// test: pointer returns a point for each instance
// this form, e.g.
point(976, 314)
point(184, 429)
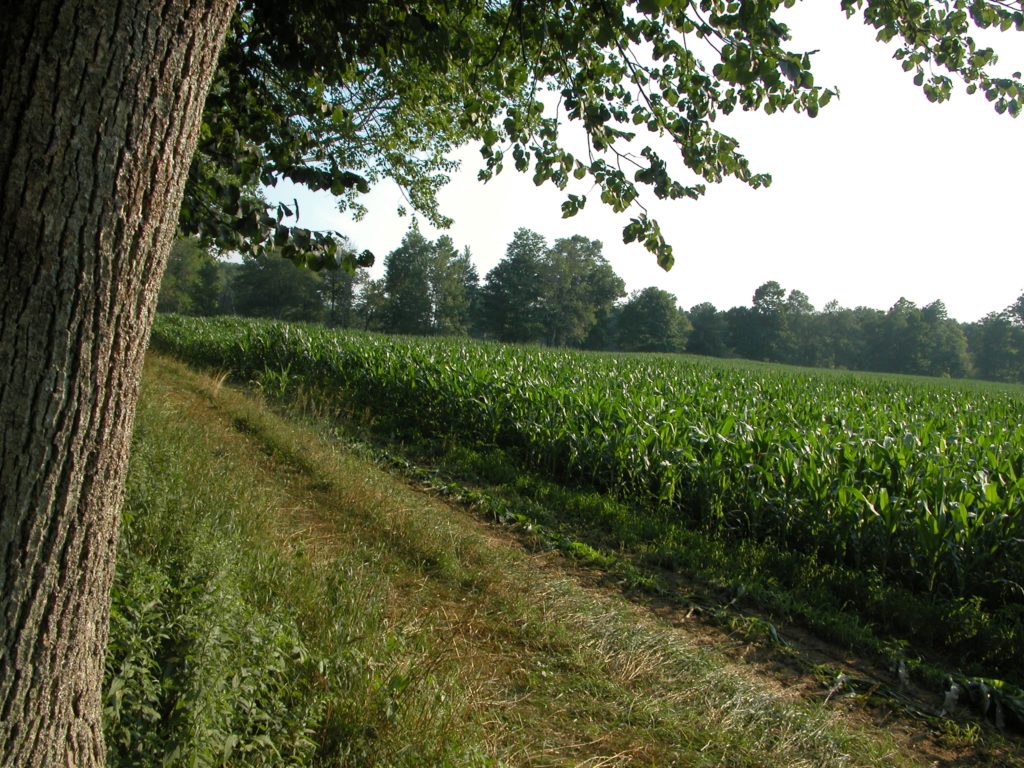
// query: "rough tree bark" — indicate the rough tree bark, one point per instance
point(100, 103)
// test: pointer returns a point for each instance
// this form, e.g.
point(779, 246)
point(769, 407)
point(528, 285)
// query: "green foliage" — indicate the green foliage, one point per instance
point(407, 285)
point(997, 348)
point(651, 321)
point(581, 288)
point(336, 95)
point(206, 665)
point(454, 287)
point(338, 291)
point(558, 295)
point(512, 298)
point(372, 305)
point(272, 286)
point(772, 337)
point(428, 289)
point(314, 95)
point(710, 334)
point(907, 339)
point(193, 281)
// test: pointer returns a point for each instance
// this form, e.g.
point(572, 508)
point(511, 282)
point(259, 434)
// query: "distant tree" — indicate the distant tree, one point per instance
point(226, 300)
point(710, 334)
point(272, 286)
point(865, 354)
point(935, 312)
point(801, 337)
point(206, 298)
point(744, 332)
point(798, 304)
point(371, 306)
point(605, 333)
point(427, 288)
point(580, 286)
point(902, 340)
point(338, 289)
point(996, 345)
point(453, 284)
point(512, 298)
point(842, 335)
point(407, 271)
point(925, 342)
point(771, 340)
point(1015, 312)
point(769, 298)
point(944, 342)
point(651, 321)
point(193, 282)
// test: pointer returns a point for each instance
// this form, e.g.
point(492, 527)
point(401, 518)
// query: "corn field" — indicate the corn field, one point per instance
point(921, 481)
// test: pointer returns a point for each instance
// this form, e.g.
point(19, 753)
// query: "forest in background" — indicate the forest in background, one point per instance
point(566, 294)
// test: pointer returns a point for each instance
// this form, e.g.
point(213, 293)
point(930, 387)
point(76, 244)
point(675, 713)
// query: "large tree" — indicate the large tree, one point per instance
point(454, 284)
point(579, 289)
point(651, 321)
point(102, 107)
point(512, 298)
point(407, 269)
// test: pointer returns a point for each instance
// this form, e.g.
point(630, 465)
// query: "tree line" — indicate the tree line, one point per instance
point(566, 294)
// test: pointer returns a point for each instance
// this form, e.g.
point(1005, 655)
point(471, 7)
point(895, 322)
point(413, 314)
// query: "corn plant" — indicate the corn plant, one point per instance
point(922, 481)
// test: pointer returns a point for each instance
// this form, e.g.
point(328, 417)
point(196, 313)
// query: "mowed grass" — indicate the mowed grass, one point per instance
point(281, 602)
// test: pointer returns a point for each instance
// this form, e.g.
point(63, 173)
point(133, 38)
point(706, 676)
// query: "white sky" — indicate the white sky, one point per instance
point(883, 195)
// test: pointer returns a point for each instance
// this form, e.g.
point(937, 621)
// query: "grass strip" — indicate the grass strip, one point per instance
point(280, 601)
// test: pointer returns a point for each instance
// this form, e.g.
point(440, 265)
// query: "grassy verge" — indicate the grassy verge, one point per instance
point(279, 601)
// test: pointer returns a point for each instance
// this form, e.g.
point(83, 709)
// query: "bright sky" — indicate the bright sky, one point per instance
point(883, 195)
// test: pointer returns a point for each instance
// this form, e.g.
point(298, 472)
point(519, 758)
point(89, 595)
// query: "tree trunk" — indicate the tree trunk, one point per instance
point(100, 104)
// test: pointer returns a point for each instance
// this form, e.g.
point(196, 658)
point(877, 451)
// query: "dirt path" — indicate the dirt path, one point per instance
point(553, 666)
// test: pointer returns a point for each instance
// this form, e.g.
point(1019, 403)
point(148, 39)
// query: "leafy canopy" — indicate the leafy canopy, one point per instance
point(339, 94)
